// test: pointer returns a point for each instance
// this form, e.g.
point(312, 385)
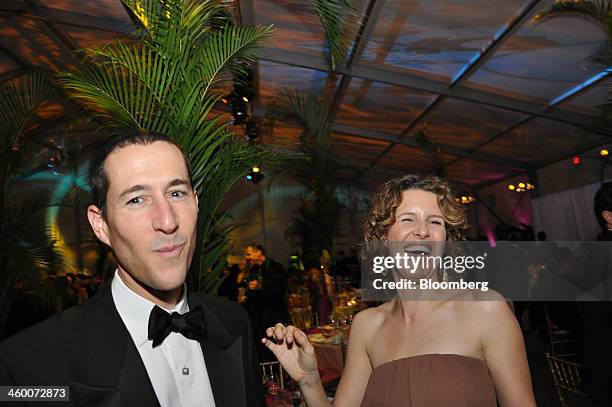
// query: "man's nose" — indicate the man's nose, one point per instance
point(165, 219)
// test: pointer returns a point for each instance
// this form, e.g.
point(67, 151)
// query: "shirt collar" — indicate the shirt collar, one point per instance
point(135, 309)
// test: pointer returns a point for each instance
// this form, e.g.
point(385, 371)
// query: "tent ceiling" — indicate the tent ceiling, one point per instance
point(496, 94)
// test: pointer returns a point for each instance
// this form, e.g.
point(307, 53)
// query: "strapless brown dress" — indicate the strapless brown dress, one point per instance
point(437, 380)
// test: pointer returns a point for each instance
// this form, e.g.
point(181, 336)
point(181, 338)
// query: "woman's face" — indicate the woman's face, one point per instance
point(418, 225)
point(418, 218)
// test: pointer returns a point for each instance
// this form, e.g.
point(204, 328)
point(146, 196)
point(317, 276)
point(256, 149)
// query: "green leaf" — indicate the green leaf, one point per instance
point(341, 22)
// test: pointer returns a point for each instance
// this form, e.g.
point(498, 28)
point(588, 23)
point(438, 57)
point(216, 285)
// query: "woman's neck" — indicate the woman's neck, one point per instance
point(413, 311)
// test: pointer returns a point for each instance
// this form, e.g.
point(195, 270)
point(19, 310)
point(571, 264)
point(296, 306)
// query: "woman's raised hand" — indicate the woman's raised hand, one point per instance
point(295, 353)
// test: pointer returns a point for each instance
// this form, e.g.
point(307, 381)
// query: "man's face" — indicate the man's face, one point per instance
point(151, 214)
point(254, 256)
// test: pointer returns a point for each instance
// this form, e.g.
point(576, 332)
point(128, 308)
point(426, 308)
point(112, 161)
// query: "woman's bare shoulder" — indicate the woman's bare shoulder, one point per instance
point(479, 296)
point(369, 320)
point(487, 308)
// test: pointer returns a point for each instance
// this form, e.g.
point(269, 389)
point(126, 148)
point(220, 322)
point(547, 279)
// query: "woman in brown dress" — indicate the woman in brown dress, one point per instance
point(418, 353)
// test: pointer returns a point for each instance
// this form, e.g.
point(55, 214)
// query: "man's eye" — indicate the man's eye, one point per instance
point(436, 222)
point(407, 220)
point(178, 193)
point(134, 201)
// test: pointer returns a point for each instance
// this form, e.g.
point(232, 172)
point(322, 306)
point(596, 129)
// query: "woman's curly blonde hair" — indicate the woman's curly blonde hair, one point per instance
point(386, 202)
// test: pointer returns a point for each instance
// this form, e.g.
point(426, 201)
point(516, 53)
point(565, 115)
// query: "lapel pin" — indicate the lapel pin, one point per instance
point(185, 371)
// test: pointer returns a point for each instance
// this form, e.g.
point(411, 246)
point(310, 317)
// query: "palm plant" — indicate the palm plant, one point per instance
point(598, 12)
point(28, 249)
point(315, 166)
point(168, 79)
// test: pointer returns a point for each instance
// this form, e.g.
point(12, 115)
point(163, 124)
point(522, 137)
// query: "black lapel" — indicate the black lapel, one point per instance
point(113, 360)
point(224, 359)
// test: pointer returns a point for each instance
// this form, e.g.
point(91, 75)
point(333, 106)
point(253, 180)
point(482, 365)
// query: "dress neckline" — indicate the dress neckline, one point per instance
point(425, 355)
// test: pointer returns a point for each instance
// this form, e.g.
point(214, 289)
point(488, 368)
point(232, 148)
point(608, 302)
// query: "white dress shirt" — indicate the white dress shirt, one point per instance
point(176, 368)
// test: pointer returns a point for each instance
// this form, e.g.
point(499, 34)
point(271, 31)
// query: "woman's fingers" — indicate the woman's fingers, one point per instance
point(302, 340)
point(289, 334)
point(268, 344)
point(279, 331)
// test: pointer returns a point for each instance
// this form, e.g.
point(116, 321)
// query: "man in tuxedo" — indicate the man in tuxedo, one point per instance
point(142, 340)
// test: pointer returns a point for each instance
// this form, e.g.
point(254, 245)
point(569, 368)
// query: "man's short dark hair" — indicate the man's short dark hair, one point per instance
point(257, 246)
point(603, 202)
point(98, 178)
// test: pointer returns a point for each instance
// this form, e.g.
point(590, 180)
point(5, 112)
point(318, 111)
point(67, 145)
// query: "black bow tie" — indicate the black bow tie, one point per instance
point(190, 324)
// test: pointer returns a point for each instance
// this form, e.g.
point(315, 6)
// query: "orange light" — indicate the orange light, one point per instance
point(511, 187)
point(604, 152)
point(256, 169)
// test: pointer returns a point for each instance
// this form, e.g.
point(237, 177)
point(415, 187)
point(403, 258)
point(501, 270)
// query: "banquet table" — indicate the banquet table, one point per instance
point(330, 359)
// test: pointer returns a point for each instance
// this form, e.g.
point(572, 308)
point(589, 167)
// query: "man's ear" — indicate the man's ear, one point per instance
point(607, 215)
point(98, 224)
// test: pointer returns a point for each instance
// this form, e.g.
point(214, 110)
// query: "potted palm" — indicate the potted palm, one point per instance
point(29, 252)
point(315, 165)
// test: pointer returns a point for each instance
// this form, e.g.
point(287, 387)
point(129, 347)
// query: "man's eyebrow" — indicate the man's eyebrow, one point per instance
point(134, 188)
point(179, 181)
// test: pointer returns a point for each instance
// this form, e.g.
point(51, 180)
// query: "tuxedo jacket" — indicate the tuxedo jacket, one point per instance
point(89, 349)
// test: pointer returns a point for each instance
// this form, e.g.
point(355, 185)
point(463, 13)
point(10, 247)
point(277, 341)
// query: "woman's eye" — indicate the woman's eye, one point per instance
point(436, 222)
point(407, 220)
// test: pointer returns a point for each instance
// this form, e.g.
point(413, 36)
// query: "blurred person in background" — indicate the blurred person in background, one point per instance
point(266, 292)
point(597, 315)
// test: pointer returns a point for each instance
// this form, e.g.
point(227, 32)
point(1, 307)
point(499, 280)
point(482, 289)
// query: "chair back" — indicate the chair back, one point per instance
point(560, 343)
point(567, 378)
point(272, 371)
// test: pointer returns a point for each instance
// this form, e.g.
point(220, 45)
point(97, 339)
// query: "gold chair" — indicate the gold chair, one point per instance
point(566, 376)
point(272, 371)
point(560, 343)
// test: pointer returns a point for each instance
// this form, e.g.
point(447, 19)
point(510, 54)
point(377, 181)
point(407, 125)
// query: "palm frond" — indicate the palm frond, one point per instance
point(19, 99)
point(341, 22)
point(218, 246)
point(601, 56)
point(598, 12)
point(302, 107)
